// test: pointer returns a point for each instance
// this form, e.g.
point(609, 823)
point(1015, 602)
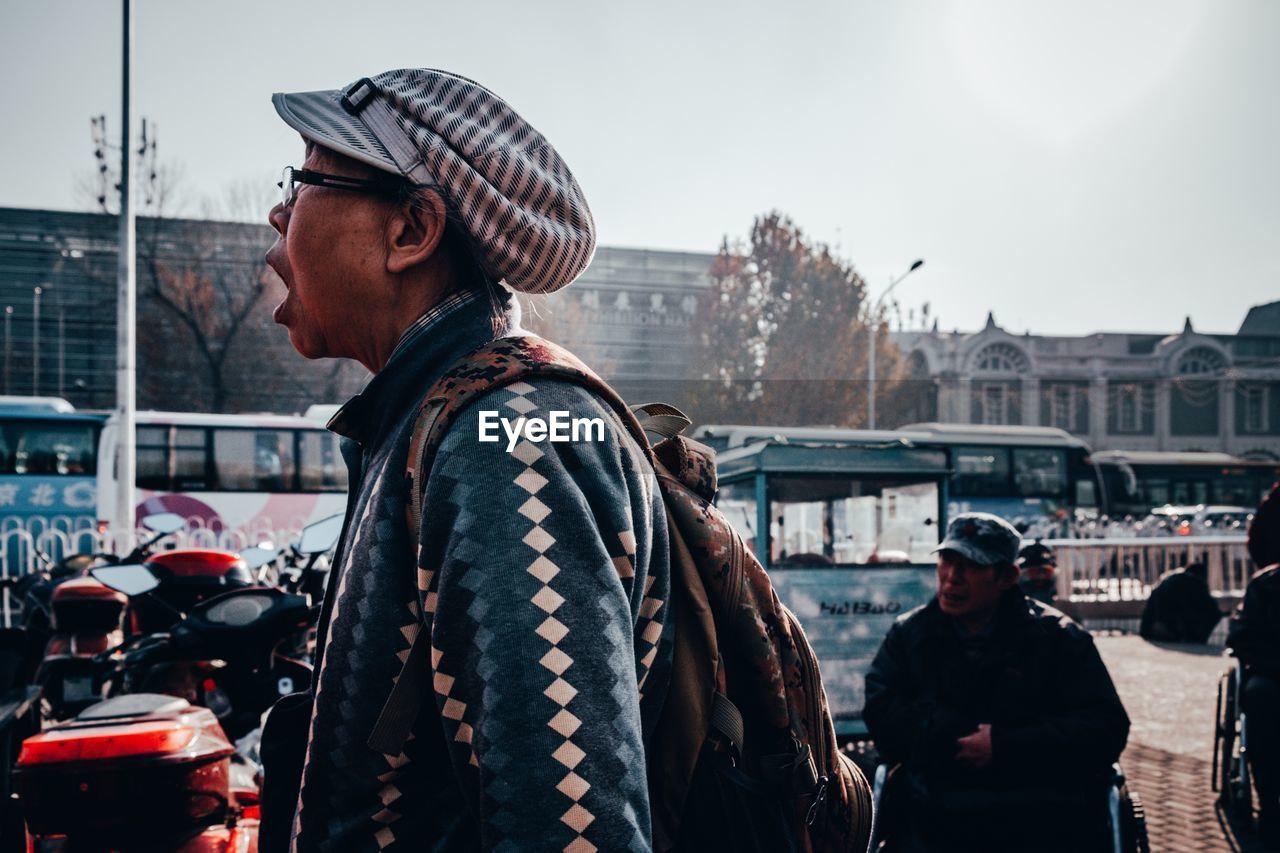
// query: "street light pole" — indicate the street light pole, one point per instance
point(126, 306)
point(35, 342)
point(872, 327)
point(62, 350)
point(8, 343)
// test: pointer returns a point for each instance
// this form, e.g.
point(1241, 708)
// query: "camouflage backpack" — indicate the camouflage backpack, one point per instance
point(744, 756)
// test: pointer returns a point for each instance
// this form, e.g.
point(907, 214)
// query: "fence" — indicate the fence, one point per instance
point(1104, 583)
point(23, 539)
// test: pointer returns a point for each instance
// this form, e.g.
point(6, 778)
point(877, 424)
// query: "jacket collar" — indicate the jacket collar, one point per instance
point(1013, 610)
point(429, 347)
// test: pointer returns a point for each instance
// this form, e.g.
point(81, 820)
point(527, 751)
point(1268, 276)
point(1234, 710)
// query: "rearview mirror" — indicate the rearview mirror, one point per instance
point(320, 536)
point(164, 522)
point(131, 579)
point(259, 555)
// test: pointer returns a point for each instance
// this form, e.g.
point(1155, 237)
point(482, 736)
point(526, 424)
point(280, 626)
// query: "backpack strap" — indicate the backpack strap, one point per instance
point(498, 363)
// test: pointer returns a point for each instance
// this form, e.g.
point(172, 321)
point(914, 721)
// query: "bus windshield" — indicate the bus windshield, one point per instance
point(819, 521)
point(48, 448)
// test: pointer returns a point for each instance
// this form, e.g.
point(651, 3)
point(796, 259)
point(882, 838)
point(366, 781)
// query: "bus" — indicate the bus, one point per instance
point(1038, 475)
point(48, 459)
point(846, 529)
point(1137, 481)
point(260, 475)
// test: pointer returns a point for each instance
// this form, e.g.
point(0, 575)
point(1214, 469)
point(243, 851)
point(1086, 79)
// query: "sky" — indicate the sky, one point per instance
point(1071, 165)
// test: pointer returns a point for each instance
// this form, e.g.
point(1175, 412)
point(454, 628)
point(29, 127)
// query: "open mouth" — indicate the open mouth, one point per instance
point(279, 314)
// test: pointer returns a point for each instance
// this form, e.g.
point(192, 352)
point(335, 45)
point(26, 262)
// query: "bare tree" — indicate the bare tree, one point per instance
point(783, 332)
point(204, 281)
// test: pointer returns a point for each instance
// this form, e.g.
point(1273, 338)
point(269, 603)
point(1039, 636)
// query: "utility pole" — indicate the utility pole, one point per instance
point(126, 341)
point(8, 344)
point(62, 350)
point(35, 341)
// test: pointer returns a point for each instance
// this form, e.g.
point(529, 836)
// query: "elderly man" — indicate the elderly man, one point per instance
point(997, 707)
point(421, 194)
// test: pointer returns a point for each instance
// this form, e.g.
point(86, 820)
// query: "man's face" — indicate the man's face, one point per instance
point(968, 591)
point(329, 255)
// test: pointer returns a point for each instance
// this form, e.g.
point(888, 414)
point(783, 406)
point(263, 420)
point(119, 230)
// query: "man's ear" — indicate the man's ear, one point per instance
point(414, 231)
point(1006, 576)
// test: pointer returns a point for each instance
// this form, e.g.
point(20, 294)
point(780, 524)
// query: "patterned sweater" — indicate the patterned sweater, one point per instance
point(543, 579)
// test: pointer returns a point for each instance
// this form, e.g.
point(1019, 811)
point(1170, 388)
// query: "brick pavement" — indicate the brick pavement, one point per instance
point(1169, 692)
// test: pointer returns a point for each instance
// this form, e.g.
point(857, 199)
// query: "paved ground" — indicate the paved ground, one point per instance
point(1169, 692)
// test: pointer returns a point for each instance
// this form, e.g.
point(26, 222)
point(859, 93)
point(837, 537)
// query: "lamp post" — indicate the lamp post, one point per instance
point(872, 328)
point(126, 308)
point(35, 341)
point(8, 343)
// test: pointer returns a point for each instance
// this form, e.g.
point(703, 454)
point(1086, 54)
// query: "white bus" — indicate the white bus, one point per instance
point(261, 476)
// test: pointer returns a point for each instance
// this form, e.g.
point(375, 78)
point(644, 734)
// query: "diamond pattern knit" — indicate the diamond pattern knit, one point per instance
point(542, 578)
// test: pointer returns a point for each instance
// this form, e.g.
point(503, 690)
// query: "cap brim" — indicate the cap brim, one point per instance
point(967, 550)
point(319, 117)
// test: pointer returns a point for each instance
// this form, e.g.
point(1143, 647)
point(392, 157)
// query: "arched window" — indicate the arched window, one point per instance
point(918, 365)
point(1200, 360)
point(1193, 401)
point(1001, 358)
point(919, 394)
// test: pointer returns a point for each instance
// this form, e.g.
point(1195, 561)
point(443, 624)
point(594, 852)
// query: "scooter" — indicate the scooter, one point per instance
point(69, 619)
point(305, 569)
point(151, 772)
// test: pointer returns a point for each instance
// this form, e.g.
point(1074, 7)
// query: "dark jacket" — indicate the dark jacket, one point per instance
point(542, 576)
point(1057, 723)
point(1253, 634)
point(1180, 609)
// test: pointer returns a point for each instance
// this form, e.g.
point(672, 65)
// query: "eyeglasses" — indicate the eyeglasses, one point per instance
point(289, 181)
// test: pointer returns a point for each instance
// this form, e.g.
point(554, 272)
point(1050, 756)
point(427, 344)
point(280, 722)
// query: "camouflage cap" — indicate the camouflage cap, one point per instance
point(986, 539)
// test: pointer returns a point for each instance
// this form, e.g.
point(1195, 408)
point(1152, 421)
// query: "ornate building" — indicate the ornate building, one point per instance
point(1120, 391)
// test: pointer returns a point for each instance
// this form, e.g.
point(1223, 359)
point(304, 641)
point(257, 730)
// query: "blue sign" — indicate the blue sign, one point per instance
point(49, 496)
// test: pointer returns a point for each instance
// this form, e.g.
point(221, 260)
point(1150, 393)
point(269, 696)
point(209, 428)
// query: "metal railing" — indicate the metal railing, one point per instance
point(57, 537)
point(1126, 569)
point(22, 539)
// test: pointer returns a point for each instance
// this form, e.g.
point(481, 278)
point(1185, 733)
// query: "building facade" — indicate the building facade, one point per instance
point(630, 315)
point(1119, 391)
point(204, 322)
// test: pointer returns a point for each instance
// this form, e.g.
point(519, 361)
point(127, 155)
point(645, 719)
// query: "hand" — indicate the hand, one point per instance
point(975, 749)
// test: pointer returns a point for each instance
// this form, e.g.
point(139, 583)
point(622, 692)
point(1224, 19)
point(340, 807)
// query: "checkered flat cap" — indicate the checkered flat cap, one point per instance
point(526, 214)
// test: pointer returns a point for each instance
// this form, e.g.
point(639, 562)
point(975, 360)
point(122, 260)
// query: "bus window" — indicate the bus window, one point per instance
point(322, 467)
point(54, 449)
point(817, 521)
point(1039, 472)
point(981, 472)
point(152, 458)
point(190, 458)
point(1084, 480)
point(248, 460)
point(1233, 488)
point(1190, 492)
point(1154, 491)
